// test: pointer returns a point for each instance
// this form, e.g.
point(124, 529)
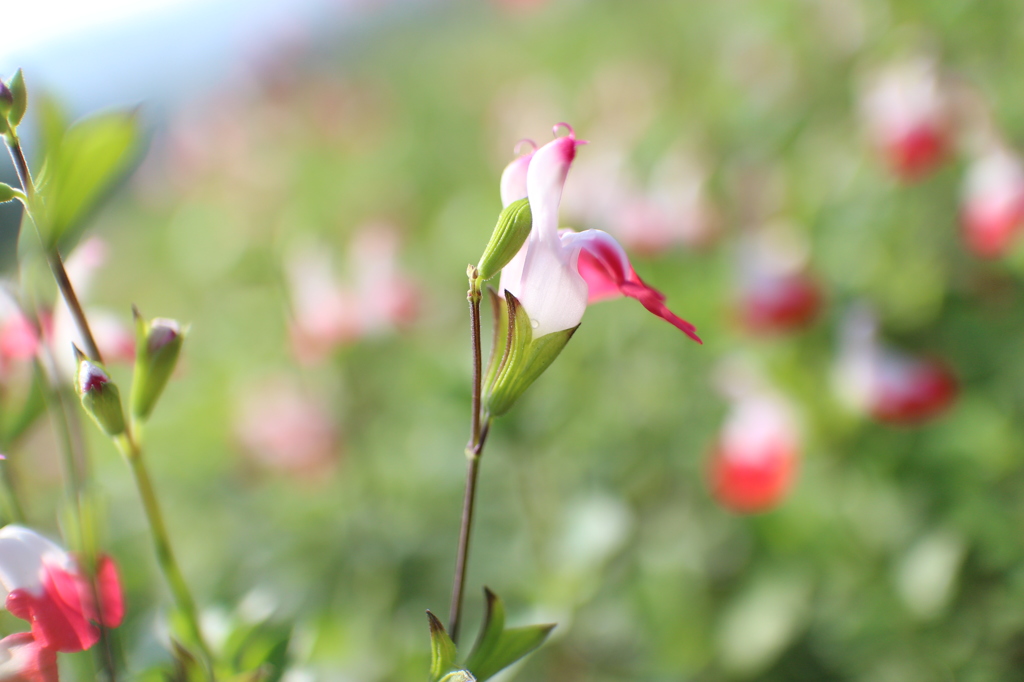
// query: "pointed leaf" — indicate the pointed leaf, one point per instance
point(490, 631)
point(442, 649)
point(82, 166)
point(513, 645)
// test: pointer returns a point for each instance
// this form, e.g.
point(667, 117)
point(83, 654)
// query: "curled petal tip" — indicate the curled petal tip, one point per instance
point(518, 149)
point(559, 126)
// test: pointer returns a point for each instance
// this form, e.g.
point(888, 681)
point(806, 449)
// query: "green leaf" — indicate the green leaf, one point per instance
point(490, 631)
point(442, 650)
point(525, 358)
point(497, 648)
point(82, 164)
point(17, 87)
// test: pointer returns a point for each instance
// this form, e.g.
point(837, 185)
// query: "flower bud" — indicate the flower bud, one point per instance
point(100, 397)
point(509, 234)
point(19, 98)
point(158, 344)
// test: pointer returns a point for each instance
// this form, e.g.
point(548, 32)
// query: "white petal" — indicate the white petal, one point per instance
point(550, 289)
point(22, 553)
point(513, 180)
point(545, 178)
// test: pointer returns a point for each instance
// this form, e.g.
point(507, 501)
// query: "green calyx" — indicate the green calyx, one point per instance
point(157, 346)
point(523, 359)
point(509, 234)
point(19, 99)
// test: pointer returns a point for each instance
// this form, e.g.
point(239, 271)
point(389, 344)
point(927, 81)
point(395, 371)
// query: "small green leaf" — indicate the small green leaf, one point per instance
point(17, 87)
point(442, 650)
point(82, 165)
point(497, 648)
point(514, 224)
point(525, 358)
point(490, 631)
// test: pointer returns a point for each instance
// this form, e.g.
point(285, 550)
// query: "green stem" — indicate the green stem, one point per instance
point(13, 510)
point(162, 545)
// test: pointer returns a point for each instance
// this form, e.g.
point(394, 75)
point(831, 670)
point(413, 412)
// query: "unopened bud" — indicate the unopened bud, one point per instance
point(458, 676)
point(6, 99)
point(100, 397)
point(157, 346)
point(509, 234)
point(19, 98)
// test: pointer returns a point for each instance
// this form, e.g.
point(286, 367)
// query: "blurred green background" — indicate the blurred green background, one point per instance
point(325, 494)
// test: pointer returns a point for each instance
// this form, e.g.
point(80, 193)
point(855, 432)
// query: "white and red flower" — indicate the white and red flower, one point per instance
point(993, 203)
point(776, 293)
point(755, 459)
point(889, 385)
point(906, 110)
point(558, 272)
point(44, 585)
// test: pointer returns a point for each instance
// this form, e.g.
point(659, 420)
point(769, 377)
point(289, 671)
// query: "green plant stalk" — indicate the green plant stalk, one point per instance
point(129, 447)
point(478, 434)
point(13, 510)
point(53, 258)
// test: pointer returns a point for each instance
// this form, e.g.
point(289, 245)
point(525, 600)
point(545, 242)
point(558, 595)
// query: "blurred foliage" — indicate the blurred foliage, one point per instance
point(898, 555)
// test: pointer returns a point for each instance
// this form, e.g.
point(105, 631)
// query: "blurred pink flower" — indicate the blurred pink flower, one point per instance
point(23, 659)
point(775, 292)
point(670, 210)
point(755, 459)
point(889, 385)
point(906, 110)
point(44, 585)
point(327, 313)
point(992, 211)
point(284, 429)
point(558, 272)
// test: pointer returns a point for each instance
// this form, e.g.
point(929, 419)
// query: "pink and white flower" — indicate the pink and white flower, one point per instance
point(906, 110)
point(557, 273)
point(993, 202)
point(43, 584)
point(23, 659)
point(889, 385)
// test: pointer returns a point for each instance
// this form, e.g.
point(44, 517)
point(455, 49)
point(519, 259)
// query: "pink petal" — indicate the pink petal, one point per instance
point(606, 269)
point(23, 659)
point(108, 585)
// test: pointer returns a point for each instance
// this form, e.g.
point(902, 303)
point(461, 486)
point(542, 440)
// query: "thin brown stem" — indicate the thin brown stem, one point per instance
point(462, 557)
point(473, 449)
point(53, 258)
point(67, 292)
